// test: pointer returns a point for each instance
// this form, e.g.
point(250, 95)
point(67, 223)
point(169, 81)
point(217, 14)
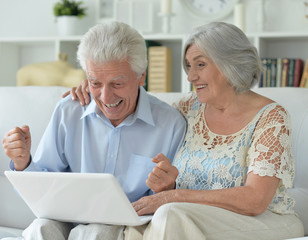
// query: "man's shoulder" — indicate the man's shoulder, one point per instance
point(67, 101)
point(160, 107)
point(68, 105)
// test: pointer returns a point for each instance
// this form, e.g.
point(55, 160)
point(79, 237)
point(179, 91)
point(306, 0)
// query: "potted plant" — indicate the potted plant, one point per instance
point(68, 14)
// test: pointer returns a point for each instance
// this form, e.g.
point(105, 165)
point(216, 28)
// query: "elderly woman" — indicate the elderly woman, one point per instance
point(235, 163)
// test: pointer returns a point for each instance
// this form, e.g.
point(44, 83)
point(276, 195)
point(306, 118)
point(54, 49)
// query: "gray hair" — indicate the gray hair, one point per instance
point(113, 41)
point(231, 51)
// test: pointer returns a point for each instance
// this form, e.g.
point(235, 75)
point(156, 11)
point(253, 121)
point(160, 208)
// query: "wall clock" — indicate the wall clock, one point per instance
point(209, 9)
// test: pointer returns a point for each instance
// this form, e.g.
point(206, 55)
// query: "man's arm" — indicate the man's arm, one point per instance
point(164, 174)
point(49, 155)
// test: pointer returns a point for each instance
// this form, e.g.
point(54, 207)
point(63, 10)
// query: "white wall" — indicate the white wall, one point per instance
point(20, 18)
point(24, 18)
point(279, 15)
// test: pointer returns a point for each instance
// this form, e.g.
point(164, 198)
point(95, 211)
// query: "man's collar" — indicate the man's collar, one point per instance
point(143, 109)
point(142, 112)
point(91, 108)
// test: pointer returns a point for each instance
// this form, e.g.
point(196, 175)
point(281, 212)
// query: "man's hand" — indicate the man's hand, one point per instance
point(17, 145)
point(163, 175)
point(81, 93)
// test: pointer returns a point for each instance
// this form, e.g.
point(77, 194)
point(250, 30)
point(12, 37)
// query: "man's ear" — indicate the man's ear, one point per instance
point(141, 79)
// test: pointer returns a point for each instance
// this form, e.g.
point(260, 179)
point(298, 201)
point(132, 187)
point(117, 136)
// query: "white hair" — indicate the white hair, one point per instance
point(113, 41)
point(231, 51)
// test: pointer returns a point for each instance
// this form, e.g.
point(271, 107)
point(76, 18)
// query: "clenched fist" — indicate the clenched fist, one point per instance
point(163, 175)
point(17, 145)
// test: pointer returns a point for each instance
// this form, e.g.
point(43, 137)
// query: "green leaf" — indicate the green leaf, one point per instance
point(70, 8)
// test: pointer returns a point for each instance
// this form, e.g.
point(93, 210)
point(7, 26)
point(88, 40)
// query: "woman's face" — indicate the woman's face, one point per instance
point(208, 81)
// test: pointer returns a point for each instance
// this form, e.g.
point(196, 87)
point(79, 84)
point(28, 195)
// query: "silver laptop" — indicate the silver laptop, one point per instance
point(76, 197)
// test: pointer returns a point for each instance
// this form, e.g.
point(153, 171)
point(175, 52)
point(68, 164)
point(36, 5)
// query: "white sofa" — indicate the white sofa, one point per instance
point(34, 105)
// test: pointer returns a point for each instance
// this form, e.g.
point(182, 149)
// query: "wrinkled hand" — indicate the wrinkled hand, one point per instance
point(163, 175)
point(17, 145)
point(149, 204)
point(81, 93)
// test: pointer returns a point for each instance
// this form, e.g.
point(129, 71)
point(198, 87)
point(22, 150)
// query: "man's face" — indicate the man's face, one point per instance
point(114, 87)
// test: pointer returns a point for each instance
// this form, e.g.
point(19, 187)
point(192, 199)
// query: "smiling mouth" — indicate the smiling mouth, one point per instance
point(114, 104)
point(201, 86)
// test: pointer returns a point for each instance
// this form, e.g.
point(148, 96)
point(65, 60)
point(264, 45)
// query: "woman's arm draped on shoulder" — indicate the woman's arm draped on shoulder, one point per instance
point(80, 92)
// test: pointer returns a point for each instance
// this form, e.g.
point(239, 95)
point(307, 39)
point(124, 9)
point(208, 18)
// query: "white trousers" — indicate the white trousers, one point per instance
point(178, 221)
point(45, 229)
point(182, 221)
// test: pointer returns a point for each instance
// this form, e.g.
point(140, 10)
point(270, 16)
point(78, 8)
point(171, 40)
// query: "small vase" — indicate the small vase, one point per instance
point(68, 25)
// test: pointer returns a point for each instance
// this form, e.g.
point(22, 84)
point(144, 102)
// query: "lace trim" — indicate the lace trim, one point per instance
point(211, 161)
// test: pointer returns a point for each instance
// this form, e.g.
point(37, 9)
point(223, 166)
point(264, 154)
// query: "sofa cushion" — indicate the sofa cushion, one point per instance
point(18, 106)
point(9, 232)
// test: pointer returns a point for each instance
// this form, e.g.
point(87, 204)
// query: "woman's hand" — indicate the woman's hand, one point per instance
point(149, 204)
point(81, 92)
point(163, 176)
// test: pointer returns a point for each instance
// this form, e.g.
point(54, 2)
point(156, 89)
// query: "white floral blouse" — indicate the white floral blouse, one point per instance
point(209, 161)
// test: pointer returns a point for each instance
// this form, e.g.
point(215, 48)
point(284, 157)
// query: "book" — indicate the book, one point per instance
point(281, 72)
point(284, 73)
point(268, 72)
point(160, 68)
point(278, 72)
point(291, 72)
point(304, 78)
point(148, 44)
point(262, 82)
point(298, 70)
point(273, 71)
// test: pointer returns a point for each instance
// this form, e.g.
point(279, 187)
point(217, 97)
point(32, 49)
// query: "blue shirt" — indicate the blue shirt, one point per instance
point(81, 139)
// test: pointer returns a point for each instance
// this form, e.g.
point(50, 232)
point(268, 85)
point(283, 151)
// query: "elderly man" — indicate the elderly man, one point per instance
point(98, 137)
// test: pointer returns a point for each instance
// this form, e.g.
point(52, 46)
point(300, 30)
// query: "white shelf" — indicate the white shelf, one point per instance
point(278, 35)
point(39, 39)
point(17, 52)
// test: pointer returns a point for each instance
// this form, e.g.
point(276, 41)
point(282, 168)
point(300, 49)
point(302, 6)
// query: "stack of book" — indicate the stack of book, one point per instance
point(283, 72)
point(159, 69)
point(149, 44)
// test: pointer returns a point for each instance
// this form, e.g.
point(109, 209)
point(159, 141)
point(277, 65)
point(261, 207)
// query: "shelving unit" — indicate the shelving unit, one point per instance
point(274, 45)
point(18, 52)
point(175, 43)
